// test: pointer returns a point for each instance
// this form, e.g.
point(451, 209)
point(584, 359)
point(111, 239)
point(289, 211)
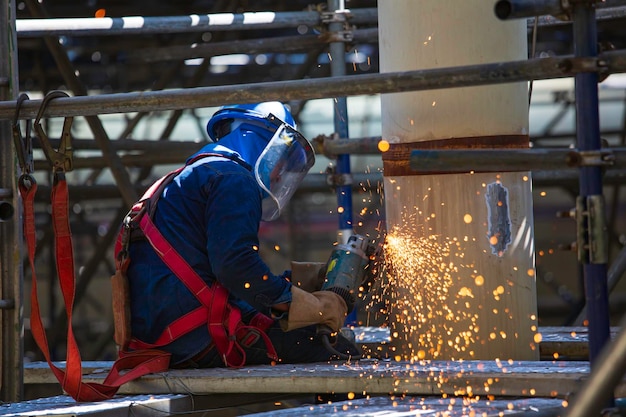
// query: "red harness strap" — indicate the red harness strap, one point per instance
point(223, 320)
point(136, 365)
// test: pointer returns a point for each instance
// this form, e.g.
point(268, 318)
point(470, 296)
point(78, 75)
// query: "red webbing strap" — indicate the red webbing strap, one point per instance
point(176, 329)
point(222, 325)
point(174, 261)
point(141, 363)
point(214, 298)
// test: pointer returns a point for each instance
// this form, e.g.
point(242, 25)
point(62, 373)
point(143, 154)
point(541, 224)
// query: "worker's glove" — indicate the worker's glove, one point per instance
point(320, 307)
point(308, 276)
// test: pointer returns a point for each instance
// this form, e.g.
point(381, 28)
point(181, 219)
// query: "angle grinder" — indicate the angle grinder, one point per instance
point(349, 267)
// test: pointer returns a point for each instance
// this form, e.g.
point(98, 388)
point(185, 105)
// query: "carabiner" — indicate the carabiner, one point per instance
point(61, 160)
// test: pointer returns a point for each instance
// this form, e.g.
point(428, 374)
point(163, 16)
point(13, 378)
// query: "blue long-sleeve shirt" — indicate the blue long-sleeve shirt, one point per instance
point(210, 213)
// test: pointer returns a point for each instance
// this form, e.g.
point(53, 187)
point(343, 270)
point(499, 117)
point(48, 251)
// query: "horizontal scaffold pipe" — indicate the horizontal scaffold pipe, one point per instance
point(279, 44)
point(431, 161)
point(110, 26)
point(331, 147)
point(516, 9)
point(107, 26)
point(142, 145)
point(602, 15)
point(309, 89)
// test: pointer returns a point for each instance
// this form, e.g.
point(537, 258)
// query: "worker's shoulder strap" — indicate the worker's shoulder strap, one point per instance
point(148, 202)
point(152, 194)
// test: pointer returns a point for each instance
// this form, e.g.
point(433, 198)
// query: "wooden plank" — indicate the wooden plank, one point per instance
point(433, 406)
point(137, 406)
point(373, 377)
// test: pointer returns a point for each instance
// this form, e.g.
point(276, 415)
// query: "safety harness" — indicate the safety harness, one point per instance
point(136, 358)
point(223, 320)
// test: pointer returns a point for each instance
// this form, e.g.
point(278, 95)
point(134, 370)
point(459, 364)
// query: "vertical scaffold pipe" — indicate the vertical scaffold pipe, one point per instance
point(588, 139)
point(11, 277)
point(460, 247)
point(340, 118)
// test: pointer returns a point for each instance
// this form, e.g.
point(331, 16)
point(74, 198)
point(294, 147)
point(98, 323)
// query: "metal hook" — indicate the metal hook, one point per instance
point(61, 160)
point(23, 144)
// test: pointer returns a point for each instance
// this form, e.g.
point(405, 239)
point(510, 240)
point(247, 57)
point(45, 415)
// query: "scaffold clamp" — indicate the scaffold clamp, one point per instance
point(61, 159)
point(336, 16)
point(335, 179)
point(591, 230)
point(601, 157)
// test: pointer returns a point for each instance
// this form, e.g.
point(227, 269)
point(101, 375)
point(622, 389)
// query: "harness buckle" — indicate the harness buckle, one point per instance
point(250, 337)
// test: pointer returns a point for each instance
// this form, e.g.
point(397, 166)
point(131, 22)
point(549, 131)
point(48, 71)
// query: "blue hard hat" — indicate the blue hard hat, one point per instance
point(256, 113)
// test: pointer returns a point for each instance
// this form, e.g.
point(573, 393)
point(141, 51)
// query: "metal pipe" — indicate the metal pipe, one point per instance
point(616, 270)
point(588, 139)
point(331, 147)
point(131, 160)
point(143, 145)
point(308, 89)
point(428, 161)
point(516, 9)
point(111, 26)
point(11, 252)
point(251, 46)
point(279, 44)
point(602, 15)
point(340, 118)
point(108, 26)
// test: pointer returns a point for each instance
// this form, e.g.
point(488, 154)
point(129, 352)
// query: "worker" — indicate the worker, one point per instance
point(210, 213)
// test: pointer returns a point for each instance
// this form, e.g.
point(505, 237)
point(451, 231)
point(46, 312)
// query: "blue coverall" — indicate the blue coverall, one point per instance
point(210, 213)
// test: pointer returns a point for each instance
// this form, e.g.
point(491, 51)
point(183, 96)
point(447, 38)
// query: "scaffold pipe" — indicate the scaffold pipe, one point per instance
point(309, 89)
point(331, 147)
point(11, 250)
point(428, 161)
point(280, 44)
point(108, 26)
point(340, 120)
point(590, 186)
point(514, 9)
point(517, 9)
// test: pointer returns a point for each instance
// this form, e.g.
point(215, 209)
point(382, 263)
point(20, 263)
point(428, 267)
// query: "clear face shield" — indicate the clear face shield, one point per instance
point(281, 167)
